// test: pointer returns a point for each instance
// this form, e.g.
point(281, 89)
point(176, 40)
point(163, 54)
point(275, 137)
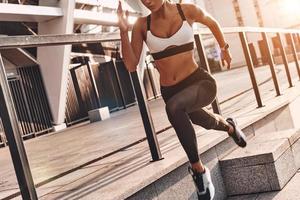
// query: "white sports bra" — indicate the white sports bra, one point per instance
point(182, 40)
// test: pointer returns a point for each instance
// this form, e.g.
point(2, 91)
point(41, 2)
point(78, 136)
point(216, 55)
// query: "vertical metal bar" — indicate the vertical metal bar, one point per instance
point(92, 78)
point(250, 68)
point(271, 63)
point(16, 146)
point(151, 80)
point(20, 114)
point(146, 117)
point(2, 138)
point(284, 58)
point(32, 102)
point(290, 35)
point(116, 71)
point(37, 100)
point(204, 64)
point(27, 96)
point(44, 99)
point(27, 109)
point(82, 108)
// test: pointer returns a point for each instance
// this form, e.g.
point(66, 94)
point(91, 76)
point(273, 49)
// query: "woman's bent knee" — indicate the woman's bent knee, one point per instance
point(172, 108)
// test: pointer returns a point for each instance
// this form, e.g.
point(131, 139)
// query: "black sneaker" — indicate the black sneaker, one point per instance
point(238, 135)
point(204, 186)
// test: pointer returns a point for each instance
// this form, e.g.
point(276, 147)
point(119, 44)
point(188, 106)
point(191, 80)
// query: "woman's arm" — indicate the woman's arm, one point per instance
point(196, 14)
point(130, 50)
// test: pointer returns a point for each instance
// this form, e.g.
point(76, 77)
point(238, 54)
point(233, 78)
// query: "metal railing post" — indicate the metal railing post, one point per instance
point(15, 142)
point(271, 63)
point(298, 36)
point(149, 73)
point(204, 64)
point(146, 117)
point(116, 71)
point(250, 68)
point(290, 35)
point(284, 59)
point(93, 81)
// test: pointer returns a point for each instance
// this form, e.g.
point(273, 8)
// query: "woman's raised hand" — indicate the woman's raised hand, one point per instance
point(226, 57)
point(123, 20)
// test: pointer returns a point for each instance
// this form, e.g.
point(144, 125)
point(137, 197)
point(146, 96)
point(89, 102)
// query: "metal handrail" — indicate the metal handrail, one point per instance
point(7, 42)
point(227, 30)
point(10, 42)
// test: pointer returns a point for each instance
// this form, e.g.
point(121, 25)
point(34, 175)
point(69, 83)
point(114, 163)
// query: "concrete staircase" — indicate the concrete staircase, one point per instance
point(270, 160)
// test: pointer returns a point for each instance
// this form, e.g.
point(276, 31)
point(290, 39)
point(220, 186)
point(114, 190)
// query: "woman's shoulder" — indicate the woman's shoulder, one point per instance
point(140, 25)
point(189, 9)
point(141, 22)
point(142, 19)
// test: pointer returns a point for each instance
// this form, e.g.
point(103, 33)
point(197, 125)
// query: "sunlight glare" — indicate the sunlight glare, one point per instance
point(290, 6)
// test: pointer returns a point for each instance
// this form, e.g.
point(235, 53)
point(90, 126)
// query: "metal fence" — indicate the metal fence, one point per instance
point(95, 85)
point(268, 57)
point(35, 99)
point(30, 101)
point(74, 110)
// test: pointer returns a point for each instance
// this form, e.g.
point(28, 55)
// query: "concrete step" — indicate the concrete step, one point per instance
point(290, 192)
point(268, 162)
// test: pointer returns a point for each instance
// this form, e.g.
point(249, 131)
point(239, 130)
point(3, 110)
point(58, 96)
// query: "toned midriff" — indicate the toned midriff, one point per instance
point(175, 68)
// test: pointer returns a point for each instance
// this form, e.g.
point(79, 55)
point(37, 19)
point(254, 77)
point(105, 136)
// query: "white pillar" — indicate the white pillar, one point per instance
point(54, 60)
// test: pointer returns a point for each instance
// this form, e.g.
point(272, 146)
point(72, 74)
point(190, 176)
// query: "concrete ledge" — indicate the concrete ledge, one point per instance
point(99, 114)
point(266, 164)
point(59, 127)
point(256, 153)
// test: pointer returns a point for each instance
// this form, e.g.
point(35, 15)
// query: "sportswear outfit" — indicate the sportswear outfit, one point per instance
point(186, 100)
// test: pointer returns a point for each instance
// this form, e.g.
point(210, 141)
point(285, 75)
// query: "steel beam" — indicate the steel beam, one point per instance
point(9, 42)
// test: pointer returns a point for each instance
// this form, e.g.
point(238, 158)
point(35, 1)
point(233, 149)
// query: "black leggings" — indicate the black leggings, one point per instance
point(185, 101)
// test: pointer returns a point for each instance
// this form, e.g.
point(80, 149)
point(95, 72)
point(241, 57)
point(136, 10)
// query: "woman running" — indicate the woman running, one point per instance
point(185, 87)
